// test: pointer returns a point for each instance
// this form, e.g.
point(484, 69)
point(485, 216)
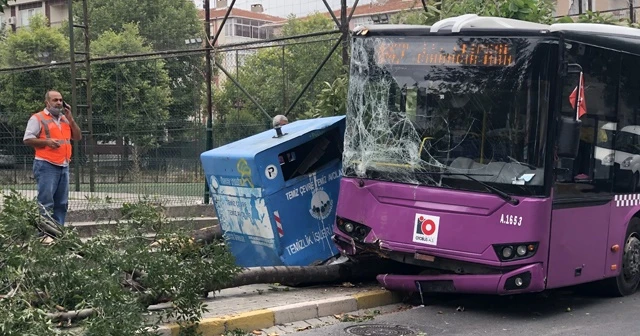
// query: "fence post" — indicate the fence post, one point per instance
point(345, 32)
point(74, 101)
point(284, 81)
point(207, 25)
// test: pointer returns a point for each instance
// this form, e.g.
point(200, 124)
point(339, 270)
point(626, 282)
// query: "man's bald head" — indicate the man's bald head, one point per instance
point(280, 120)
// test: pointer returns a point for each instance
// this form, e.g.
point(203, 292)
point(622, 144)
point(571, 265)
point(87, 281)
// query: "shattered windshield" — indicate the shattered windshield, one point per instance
point(428, 110)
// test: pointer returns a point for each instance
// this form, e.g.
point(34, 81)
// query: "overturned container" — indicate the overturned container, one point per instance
point(275, 192)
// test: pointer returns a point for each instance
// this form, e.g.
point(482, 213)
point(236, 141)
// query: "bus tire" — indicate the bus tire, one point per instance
point(626, 283)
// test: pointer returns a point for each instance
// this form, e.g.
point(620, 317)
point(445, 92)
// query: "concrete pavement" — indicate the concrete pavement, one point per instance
point(558, 313)
point(266, 308)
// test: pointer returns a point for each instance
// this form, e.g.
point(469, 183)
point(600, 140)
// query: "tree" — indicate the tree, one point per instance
point(165, 24)
point(275, 86)
point(2, 4)
point(332, 100)
point(22, 93)
point(110, 279)
point(307, 57)
point(527, 10)
point(130, 99)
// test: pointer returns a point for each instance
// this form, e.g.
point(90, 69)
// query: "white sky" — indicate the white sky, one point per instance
point(283, 8)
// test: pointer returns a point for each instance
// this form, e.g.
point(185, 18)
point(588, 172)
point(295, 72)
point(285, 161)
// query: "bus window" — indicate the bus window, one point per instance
point(590, 171)
point(626, 160)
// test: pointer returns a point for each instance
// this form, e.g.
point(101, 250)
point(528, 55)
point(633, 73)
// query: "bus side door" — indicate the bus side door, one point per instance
point(581, 212)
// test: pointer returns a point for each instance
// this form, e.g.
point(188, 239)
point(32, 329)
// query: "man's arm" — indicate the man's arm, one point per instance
point(76, 133)
point(31, 134)
point(39, 143)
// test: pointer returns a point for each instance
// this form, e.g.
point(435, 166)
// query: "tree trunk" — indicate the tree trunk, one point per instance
point(207, 235)
point(310, 275)
point(71, 315)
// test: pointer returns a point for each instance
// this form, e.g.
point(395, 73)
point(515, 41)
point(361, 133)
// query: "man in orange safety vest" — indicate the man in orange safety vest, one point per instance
point(50, 132)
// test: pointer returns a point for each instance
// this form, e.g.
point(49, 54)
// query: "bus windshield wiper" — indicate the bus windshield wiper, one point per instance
point(494, 190)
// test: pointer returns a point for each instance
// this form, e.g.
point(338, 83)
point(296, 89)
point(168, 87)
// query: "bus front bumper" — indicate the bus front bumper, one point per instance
point(526, 279)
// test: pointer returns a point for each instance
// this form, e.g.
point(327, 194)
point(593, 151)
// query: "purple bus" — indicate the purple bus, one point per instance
point(479, 153)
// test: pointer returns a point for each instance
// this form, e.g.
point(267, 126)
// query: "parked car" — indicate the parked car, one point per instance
point(7, 160)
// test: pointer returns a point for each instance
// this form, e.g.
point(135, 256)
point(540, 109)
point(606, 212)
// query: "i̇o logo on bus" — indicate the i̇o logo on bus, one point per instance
point(425, 230)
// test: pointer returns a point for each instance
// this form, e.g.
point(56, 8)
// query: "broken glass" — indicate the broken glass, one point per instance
point(422, 106)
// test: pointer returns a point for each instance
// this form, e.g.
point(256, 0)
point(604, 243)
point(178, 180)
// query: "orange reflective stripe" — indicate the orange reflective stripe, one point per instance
point(45, 124)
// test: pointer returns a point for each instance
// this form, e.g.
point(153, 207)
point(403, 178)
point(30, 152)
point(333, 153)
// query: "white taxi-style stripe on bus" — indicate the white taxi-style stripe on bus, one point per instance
point(627, 200)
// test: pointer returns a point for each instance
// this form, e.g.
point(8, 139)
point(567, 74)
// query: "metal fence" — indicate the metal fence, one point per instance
point(149, 115)
point(260, 80)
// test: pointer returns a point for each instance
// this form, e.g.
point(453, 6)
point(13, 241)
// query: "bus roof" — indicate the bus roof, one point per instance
point(616, 37)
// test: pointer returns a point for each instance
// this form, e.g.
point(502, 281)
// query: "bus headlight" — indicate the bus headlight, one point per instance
point(348, 227)
point(518, 282)
point(627, 162)
point(352, 229)
point(516, 251)
point(507, 252)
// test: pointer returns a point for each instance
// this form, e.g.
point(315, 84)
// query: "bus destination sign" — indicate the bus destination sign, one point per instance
point(477, 52)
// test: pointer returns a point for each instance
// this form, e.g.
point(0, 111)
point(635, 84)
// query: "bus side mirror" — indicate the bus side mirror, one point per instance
point(568, 137)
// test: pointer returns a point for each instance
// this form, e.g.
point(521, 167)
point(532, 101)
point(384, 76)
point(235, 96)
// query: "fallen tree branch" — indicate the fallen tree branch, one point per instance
point(72, 315)
point(207, 235)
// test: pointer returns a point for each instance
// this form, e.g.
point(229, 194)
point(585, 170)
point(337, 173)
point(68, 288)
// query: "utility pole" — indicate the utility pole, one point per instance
point(207, 28)
point(74, 90)
point(344, 26)
point(74, 98)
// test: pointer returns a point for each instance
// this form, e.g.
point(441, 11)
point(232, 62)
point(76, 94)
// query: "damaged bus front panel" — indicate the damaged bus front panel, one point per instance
point(446, 158)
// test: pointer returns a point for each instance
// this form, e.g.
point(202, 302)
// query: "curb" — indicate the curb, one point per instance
point(266, 318)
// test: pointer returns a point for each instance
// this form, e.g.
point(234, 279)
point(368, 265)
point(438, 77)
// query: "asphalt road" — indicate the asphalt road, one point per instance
point(551, 313)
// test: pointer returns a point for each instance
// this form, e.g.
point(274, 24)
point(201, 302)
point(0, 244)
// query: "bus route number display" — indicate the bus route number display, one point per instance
point(452, 52)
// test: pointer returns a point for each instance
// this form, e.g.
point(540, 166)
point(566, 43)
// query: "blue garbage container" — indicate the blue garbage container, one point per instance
point(275, 195)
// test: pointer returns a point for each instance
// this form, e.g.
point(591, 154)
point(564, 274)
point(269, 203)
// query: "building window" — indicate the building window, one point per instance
point(362, 20)
point(228, 27)
point(380, 18)
point(250, 28)
point(27, 11)
point(3, 22)
point(580, 6)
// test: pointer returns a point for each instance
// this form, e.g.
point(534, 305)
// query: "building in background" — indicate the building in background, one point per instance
point(241, 26)
point(617, 8)
point(377, 11)
point(18, 13)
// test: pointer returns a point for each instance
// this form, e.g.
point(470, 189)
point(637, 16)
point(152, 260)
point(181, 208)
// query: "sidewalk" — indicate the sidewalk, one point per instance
point(269, 309)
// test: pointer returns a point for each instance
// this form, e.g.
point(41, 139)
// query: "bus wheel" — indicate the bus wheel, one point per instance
point(627, 281)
